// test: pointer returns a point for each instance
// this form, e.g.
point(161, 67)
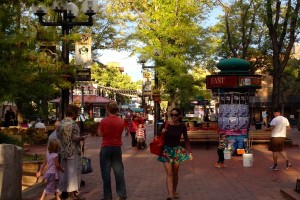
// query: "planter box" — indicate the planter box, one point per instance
point(30, 169)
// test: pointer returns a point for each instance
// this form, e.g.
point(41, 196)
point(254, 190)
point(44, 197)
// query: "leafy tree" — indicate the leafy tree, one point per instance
point(262, 32)
point(282, 20)
point(168, 33)
point(31, 76)
point(242, 34)
point(110, 76)
point(25, 73)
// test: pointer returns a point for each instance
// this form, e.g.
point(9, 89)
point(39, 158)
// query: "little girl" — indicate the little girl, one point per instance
point(51, 174)
point(220, 151)
point(140, 136)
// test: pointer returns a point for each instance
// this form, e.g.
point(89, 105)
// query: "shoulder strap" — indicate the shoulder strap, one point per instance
point(82, 148)
point(166, 124)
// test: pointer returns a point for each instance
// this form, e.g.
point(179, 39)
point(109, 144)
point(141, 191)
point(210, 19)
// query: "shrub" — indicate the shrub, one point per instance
point(6, 138)
point(91, 127)
point(20, 136)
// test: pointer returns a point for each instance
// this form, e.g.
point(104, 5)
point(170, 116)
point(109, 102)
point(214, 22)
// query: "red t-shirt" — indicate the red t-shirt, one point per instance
point(112, 128)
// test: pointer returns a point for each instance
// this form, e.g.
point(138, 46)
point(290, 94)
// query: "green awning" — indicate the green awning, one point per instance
point(137, 109)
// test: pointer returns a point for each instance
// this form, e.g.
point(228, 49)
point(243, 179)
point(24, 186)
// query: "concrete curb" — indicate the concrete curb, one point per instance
point(34, 191)
point(290, 194)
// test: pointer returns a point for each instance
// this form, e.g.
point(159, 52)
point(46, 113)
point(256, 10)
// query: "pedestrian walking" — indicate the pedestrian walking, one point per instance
point(7, 119)
point(279, 126)
point(68, 133)
point(173, 154)
point(53, 167)
point(110, 129)
point(133, 126)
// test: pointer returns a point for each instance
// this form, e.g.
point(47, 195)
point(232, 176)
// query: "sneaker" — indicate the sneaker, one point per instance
point(289, 166)
point(217, 165)
point(274, 168)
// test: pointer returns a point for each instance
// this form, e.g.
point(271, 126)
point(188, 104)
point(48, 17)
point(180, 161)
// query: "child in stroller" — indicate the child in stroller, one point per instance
point(141, 137)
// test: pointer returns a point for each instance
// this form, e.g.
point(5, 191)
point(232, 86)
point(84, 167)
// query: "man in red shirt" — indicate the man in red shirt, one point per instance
point(110, 129)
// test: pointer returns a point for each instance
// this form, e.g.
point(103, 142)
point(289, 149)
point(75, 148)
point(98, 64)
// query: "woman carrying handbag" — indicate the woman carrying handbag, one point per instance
point(173, 154)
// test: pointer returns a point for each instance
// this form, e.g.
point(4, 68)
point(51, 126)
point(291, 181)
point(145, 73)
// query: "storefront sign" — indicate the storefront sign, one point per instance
point(233, 81)
point(83, 75)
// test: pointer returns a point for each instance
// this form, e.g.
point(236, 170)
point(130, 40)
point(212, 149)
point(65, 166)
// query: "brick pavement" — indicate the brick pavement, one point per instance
point(198, 179)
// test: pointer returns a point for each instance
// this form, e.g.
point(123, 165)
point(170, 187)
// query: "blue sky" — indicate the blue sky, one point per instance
point(130, 64)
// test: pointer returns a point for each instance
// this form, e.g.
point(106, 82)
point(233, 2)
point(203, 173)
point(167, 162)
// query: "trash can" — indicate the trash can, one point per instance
point(258, 125)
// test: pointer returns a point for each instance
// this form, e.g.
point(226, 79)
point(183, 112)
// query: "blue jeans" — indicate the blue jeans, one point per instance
point(111, 157)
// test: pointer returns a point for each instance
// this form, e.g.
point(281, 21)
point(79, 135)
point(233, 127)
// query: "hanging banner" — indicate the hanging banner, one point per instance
point(83, 51)
point(147, 83)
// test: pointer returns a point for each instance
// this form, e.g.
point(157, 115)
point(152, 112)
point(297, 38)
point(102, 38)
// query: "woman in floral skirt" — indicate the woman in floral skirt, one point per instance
point(173, 154)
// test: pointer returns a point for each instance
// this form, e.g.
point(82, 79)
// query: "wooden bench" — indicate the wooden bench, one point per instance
point(207, 137)
point(50, 129)
point(262, 136)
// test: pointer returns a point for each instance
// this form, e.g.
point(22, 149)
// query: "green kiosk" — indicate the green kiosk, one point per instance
point(232, 86)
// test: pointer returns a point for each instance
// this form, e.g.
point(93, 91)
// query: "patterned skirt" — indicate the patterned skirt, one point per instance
point(173, 155)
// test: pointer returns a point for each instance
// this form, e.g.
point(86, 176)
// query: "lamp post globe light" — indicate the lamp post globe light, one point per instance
point(66, 12)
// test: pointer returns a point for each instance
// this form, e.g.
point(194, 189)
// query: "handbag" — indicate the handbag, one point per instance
point(156, 146)
point(86, 163)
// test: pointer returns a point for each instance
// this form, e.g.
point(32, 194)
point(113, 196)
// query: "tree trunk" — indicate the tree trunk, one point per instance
point(276, 84)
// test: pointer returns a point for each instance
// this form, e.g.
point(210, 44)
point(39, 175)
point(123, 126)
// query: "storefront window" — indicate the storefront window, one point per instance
point(98, 112)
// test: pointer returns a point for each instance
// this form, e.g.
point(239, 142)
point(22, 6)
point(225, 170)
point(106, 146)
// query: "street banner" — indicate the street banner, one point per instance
point(83, 51)
point(147, 83)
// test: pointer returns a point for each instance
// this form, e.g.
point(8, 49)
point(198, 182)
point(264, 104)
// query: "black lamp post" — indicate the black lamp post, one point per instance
point(66, 12)
point(156, 104)
point(82, 99)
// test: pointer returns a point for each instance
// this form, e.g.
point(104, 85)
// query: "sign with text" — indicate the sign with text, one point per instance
point(233, 81)
point(83, 75)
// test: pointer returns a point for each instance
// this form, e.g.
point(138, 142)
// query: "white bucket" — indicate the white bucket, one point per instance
point(227, 154)
point(247, 159)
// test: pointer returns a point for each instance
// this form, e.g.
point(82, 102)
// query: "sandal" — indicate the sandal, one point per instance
point(77, 196)
point(176, 195)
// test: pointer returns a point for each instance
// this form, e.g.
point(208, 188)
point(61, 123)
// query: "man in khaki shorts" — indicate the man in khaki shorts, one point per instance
point(279, 126)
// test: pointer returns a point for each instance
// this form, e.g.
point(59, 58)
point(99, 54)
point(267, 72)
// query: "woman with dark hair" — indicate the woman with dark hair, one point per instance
point(173, 154)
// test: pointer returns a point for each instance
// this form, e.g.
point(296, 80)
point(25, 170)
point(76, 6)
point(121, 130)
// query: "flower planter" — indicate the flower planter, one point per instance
point(156, 98)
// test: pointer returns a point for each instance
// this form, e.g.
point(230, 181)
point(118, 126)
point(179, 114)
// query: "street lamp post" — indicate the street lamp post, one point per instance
point(156, 106)
point(156, 103)
point(82, 99)
point(66, 12)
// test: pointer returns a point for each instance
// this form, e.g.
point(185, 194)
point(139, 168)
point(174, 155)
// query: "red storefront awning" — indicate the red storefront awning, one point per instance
point(88, 99)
